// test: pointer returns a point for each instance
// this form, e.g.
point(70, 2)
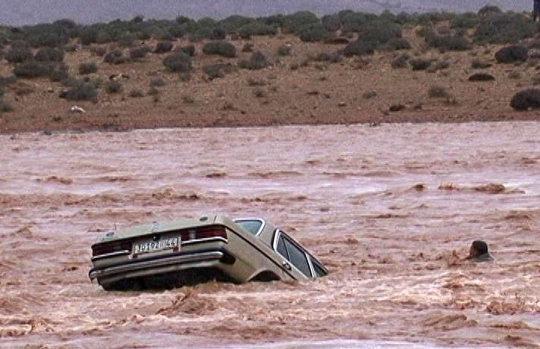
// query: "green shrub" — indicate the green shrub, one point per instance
point(215, 71)
point(189, 50)
point(401, 61)
point(512, 54)
point(420, 63)
point(380, 32)
point(19, 54)
point(136, 94)
point(314, 33)
point(5, 107)
point(88, 35)
point(218, 34)
point(257, 61)
point(88, 68)
point(256, 29)
point(163, 47)
point(58, 72)
point(200, 34)
point(447, 42)
point(139, 53)
point(334, 57)
point(295, 23)
point(48, 54)
point(220, 48)
point(438, 92)
point(178, 62)
point(31, 70)
point(331, 23)
point(82, 91)
point(465, 20)
point(46, 35)
point(504, 28)
point(126, 40)
point(284, 51)
point(359, 47)
point(113, 86)
point(115, 57)
point(157, 82)
point(99, 51)
point(234, 23)
point(398, 44)
point(489, 10)
point(354, 22)
point(526, 99)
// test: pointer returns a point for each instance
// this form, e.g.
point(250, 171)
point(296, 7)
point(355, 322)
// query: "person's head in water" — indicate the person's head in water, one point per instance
point(479, 251)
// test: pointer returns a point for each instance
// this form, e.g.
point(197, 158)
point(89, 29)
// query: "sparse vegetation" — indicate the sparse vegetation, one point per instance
point(220, 48)
point(136, 94)
point(113, 86)
point(157, 82)
point(49, 54)
point(5, 107)
point(401, 61)
point(88, 68)
point(215, 71)
point(178, 62)
point(31, 70)
point(82, 91)
point(438, 92)
point(115, 57)
point(257, 61)
point(284, 51)
point(163, 47)
point(19, 54)
point(512, 54)
point(420, 63)
point(139, 53)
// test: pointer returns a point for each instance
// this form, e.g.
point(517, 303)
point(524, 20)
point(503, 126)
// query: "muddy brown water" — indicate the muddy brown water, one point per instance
point(391, 210)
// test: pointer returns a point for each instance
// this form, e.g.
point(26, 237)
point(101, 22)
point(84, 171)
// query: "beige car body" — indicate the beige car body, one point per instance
point(189, 251)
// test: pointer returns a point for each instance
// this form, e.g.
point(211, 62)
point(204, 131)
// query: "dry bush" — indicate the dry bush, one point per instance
point(526, 99)
point(512, 54)
point(481, 77)
point(438, 92)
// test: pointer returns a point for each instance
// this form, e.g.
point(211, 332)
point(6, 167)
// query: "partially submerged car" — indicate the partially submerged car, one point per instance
point(190, 251)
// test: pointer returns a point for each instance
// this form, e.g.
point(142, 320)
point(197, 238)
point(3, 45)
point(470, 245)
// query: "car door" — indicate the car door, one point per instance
point(294, 256)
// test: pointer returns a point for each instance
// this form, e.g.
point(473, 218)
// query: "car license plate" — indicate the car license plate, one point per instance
point(157, 246)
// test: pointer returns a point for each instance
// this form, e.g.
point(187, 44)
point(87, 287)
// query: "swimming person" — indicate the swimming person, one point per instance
point(479, 251)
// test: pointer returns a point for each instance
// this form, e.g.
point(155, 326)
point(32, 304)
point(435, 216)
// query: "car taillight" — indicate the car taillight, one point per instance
point(110, 247)
point(204, 233)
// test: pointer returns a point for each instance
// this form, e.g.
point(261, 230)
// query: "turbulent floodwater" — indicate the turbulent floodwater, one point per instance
point(391, 210)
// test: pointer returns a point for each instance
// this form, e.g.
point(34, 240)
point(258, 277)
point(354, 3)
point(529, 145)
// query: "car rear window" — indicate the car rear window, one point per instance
point(251, 225)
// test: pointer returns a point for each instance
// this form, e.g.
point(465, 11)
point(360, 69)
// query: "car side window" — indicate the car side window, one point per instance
point(319, 271)
point(293, 254)
point(253, 226)
point(282, 250)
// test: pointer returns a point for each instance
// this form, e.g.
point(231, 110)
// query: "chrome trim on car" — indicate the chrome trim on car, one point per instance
point(195, 241)
point(162, 262)
point(112, 254)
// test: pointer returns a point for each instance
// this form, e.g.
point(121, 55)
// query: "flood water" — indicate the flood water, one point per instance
point(390, 210)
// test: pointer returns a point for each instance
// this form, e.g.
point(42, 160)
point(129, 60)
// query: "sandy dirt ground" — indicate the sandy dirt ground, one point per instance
point(391, 210)
point(296, 89)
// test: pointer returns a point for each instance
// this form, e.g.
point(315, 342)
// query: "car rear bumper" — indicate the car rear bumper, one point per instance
point(155, 266)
